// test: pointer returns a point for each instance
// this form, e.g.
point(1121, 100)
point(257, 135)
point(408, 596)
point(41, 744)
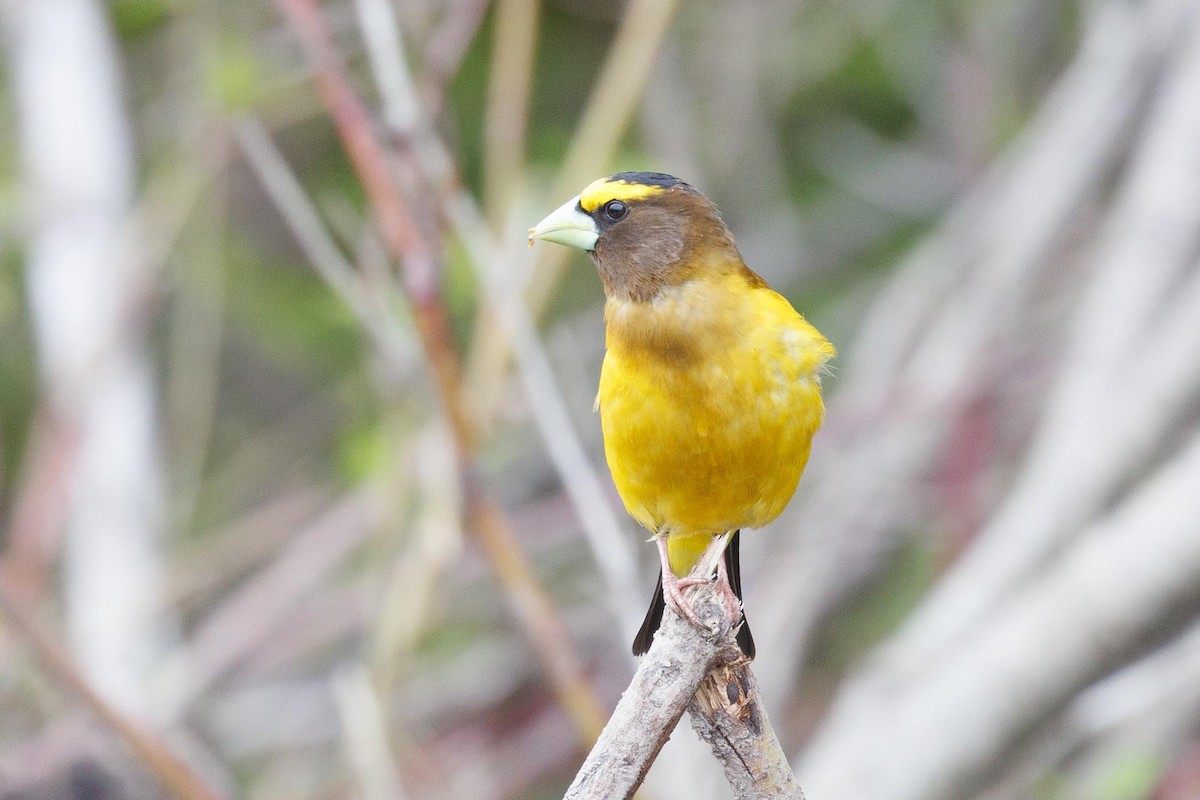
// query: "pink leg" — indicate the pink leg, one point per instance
point(673, 587)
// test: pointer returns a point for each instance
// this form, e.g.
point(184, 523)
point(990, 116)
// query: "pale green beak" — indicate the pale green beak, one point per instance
point(567, 225)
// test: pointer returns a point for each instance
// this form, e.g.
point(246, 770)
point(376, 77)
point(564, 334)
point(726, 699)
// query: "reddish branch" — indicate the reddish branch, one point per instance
point(171, 771)
point(419, 274)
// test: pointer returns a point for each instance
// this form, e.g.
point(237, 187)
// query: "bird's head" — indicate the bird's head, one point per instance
point(644, 230)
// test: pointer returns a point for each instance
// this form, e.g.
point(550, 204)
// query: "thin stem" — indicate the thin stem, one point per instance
point(514, 40)
point(168, 767)
point(618, 91)
point(418, 268)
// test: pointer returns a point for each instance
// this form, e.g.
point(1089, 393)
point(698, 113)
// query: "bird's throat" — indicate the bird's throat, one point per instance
point(678, 324)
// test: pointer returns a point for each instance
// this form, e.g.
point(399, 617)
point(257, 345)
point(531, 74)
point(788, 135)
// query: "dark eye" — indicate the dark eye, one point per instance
point(615, 210)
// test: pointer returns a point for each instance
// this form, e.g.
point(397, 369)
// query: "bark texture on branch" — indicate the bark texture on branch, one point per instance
point(701, 671)
point(727, 712)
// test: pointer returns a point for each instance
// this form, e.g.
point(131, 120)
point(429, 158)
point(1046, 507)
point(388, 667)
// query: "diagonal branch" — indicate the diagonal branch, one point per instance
point(615, 98)
point(399, 229)
point(504, 310)
point(702, 671)
point(728, 713)
point(618, 91)
point(171, 770)
point(489, 523)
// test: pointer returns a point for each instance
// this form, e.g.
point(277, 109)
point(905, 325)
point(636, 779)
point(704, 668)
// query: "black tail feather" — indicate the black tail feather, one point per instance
point(733, 566)
point(641, 642)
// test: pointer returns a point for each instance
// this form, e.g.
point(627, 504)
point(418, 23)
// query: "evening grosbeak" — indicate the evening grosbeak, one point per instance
point(710, 392)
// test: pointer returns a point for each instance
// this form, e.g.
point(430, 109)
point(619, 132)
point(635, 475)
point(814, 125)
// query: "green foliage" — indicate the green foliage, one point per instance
point(291, 316)
point(364, 451)
point(1130, 776)
point(444, 643)
point(570, 52)
point(1052, 786)
point(135, 19)
point(18, 370)
point(863, 89)
point(467, 91)
point(892, 247)
point(234, 75)
point(461, 291)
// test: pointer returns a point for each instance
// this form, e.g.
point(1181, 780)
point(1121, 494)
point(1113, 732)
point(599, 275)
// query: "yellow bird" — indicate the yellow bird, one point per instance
point(710, 391)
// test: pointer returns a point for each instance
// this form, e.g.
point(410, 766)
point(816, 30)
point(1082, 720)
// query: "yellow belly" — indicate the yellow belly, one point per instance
point(713, 437)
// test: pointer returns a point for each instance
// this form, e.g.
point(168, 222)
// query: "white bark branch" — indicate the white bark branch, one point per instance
point(728, 713)
point(1045, 643)
point(703, 672)
point(82, 283)
point(1070, 471)
point(496, 260)
point(920, 353)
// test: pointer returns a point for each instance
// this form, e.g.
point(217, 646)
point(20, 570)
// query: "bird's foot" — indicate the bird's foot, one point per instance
point(673, 587)
point(673, 592)
point(729, 602)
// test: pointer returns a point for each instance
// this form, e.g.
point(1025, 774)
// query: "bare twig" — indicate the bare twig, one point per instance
point(399, 229)
point(168, 767)
point(611, 106)
point(191, 388)
point(233, 550)
point(405, 244)
point(729, 714)
point(1049, 640)
point(1161, 689)
point(446, 47)
point(364, 729)
point(1069, 474)
point(79, 171)
point(538, 614)
point(329, 262)
point(507, 115)
point(40, 506)
point(495, 262)
point(987, 255)
point(704, 672)
point(669, 675)
point(1151, 705)
point(1013, 562)
point(408, 600)
point(236, 626)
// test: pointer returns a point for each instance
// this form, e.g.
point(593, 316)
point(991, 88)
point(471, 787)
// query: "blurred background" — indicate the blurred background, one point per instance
point(301, 491)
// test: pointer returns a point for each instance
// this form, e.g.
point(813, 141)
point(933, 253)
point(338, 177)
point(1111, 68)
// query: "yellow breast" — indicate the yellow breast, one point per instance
point(709, 398)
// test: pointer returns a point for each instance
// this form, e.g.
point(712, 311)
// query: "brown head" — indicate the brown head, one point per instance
point(644, 231)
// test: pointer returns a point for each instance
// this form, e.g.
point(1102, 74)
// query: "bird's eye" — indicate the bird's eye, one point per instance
point(615, 210)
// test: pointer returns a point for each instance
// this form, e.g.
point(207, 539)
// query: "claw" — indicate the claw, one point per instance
point(673, 587)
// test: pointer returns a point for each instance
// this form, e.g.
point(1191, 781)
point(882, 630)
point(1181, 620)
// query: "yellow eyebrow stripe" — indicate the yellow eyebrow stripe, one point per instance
point(601, 191)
